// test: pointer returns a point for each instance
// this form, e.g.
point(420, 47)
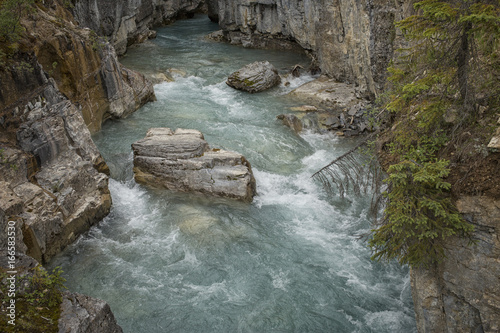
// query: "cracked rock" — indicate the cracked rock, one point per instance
point(183, 161)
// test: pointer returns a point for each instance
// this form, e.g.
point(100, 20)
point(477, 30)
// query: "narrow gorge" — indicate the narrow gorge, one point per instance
point(87, 82)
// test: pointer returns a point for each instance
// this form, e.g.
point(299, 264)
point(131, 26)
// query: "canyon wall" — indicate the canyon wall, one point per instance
point(53, 179)
point(353, 41)
point(462, 293)
point(84, 66)
point(350, 40)
point(127, 22)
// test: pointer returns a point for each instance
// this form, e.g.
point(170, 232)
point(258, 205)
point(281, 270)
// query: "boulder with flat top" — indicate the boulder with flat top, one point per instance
point(182, 160)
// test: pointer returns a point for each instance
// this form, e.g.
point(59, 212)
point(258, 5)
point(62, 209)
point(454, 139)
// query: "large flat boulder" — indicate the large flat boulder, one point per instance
point(255, 77)
point(183, 161)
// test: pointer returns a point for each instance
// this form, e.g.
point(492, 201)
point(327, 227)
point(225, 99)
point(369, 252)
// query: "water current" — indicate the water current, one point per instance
point(291, 261)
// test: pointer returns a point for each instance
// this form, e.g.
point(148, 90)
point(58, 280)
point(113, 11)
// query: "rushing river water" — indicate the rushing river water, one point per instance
point(291, 261)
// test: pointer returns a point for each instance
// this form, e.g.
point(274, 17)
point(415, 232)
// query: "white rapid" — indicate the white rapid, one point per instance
point(291, 261)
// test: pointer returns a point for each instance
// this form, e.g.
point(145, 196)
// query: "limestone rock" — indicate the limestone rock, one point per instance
point(291, 121)
point(462, 295)
point(130, 21)
point(495, 141)
point(183, 161)
point(304, 108)
point(217, 36)
point(84, 314)
point(51, 171)
point(326, 92)
point(351, 40)
point(255, 77)
point(84, 66)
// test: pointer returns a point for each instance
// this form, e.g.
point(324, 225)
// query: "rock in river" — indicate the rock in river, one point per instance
point(255, 77)
point(183, 161)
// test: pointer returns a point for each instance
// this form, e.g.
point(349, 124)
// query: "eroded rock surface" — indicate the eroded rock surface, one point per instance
point(183, 161)
point(128, 22)
point(84, 66)
point(462, 294)
point(255, 77)
point(53, 181)
point(351, 40)
point(335, 106)
point(85, 314)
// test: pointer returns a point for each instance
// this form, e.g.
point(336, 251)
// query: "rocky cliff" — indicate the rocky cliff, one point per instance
point(52, 175)
point(350, 40)
point(353, 41)
point(128, 22)
point(62, 84)
point(462, 294)
point(84, 66)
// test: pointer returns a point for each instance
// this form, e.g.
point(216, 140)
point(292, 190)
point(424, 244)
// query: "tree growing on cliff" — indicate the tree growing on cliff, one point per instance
point(450, 69)
point(11, 12)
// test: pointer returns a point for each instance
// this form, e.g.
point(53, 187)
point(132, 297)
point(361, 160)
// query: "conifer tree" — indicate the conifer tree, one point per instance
point(451, 65)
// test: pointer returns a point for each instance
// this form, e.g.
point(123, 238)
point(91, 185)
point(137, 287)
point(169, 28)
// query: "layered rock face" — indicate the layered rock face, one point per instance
point(82, 314)
point(255, 77)
point(332, 106)
point(462, 294)
point(85, 67)
point(128, 22)
point(52, 175)
point(183, 161)
point(352, 41)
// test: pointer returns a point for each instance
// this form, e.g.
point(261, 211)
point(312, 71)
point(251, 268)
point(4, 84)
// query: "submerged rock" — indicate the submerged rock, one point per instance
point(255, 77)
point(183, 161)
point(291, 121)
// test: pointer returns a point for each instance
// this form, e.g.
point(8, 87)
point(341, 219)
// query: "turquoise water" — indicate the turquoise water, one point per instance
point(291, 261)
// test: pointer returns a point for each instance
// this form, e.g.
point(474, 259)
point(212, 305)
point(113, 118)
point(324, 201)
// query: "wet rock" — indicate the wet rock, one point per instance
point(157, 78)
point(255, 77)
point(183, 161)
point(217, 36)
point(296, 70)
point(304, 108)
point(175, 72)
point(85, 314)
point(291, 121)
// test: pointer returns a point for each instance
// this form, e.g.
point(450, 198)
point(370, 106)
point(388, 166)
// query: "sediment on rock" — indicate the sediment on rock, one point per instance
point(183, 161)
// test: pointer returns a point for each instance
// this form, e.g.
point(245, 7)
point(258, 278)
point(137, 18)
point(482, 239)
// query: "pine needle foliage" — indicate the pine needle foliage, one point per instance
point(11, 29)
point(450, 66)
point(349, 173)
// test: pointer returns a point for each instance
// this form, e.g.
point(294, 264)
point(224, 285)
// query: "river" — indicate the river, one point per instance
point(291, 261)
